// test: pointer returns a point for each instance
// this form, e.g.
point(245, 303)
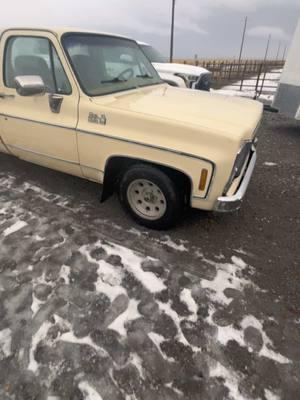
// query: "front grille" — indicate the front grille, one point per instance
point(204, 82)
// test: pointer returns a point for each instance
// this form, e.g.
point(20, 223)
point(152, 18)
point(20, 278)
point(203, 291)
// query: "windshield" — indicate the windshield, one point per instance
point(153, 55)
point(105, 64)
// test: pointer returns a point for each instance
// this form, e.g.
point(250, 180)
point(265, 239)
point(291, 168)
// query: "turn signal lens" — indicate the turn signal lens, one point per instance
point(203, 179)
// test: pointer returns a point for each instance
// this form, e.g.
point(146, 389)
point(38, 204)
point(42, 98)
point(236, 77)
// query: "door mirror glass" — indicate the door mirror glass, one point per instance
point(30, 85)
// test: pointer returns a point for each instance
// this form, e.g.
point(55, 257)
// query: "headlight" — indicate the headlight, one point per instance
point(238, 165)
point(241, 158)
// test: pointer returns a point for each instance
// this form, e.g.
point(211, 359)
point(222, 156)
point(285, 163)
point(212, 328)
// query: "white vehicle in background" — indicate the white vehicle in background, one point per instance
point(181, 75)
point(287, 99)
point(173, 80)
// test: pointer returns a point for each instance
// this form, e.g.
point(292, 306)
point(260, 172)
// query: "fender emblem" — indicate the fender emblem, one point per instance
point(97, 119)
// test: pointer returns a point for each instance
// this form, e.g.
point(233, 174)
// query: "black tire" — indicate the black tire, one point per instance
point(174, 199)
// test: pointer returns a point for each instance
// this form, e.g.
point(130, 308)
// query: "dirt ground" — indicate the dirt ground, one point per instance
point(95, 307)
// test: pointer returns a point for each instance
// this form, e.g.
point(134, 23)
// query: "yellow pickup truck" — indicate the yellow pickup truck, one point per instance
point(91, 104)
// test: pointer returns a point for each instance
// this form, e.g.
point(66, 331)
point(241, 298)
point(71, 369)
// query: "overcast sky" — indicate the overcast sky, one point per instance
point(209, 28)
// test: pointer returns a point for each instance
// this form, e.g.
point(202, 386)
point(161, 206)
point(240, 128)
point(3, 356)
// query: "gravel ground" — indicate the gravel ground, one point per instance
point(94, 307)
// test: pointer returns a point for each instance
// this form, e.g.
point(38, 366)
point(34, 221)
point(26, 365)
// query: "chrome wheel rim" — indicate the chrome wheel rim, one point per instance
point(146, 199)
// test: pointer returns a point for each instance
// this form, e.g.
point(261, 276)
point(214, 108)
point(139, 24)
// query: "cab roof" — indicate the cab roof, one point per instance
point(59, 31)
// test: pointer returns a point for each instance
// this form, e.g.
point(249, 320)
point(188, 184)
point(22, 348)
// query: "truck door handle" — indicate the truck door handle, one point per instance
point(55, 101)
point(6, 96)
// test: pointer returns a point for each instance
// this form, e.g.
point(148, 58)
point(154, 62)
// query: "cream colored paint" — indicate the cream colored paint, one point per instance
point(183, 129)
point(19, 131)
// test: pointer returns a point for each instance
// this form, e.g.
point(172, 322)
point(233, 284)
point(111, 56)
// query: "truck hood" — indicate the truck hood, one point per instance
point(215, 114)
point(185, 69)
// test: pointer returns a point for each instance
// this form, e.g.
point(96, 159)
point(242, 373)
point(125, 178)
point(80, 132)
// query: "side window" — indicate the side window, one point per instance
point(34, 56)
point(61, 81)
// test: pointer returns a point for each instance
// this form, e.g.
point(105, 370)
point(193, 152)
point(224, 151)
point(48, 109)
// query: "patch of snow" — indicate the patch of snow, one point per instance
point(167, 241)
point(158, 340)
point(227, 277)
point(271, 80)
point(231, 380)
point(227, 333)
point(130, 314)
point(35, 305)
point(231, 91)
point(135, 231)
point(5, 343)
point(270, 164)
point(133, 263)
point(88, 391)
point(167, 308)
point(199, 254)
point(241, 251)
point(40, 335)
point(14, 228)
point(112, 292)
point(266, 350)
point(270, 395)
point(136, 360)
point(272, 355)
point(3, 211)
point(238, 262)
point(109, 279)
point(187, 298)
point(38, 238)
point(110, 274)
point(177, 391)
point(64, 273)
point(71, 338)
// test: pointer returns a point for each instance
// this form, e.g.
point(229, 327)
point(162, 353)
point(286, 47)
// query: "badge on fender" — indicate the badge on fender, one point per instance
point(97, 119)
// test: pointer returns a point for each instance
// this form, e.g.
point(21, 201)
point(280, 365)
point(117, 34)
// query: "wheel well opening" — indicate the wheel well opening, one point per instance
point(116, 167)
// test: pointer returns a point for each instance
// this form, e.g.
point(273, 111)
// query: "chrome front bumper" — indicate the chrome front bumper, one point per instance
point(233, 203)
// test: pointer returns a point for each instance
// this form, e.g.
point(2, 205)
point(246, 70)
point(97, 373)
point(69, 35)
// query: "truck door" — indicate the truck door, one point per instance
point(39, 128)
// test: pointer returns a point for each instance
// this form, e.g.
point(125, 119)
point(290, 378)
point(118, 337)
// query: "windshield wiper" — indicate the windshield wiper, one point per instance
point(115, 80)
point(145, 76)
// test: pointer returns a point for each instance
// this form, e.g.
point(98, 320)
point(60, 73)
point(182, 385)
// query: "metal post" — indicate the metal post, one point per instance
point(257, 81)
point(278, 51)
point(243, 75)
point(284, 52)
point(172, 31)
point(265, 65)
point(243, 39)
point(267, 49)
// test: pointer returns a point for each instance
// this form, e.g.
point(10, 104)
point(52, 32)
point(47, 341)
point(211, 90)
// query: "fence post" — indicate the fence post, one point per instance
point(214, 69)
point(258, 79)
point(243, 75)
point(263, 80)
point(230, 70)
point(221, 70)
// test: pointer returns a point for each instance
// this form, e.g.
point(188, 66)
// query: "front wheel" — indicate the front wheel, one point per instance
point(150, 196)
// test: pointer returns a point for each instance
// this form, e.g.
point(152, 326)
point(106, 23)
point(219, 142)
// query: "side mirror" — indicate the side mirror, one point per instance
point(30, 85)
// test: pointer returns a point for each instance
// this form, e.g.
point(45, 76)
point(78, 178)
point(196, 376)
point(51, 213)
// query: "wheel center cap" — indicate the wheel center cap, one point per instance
point(150, 197)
